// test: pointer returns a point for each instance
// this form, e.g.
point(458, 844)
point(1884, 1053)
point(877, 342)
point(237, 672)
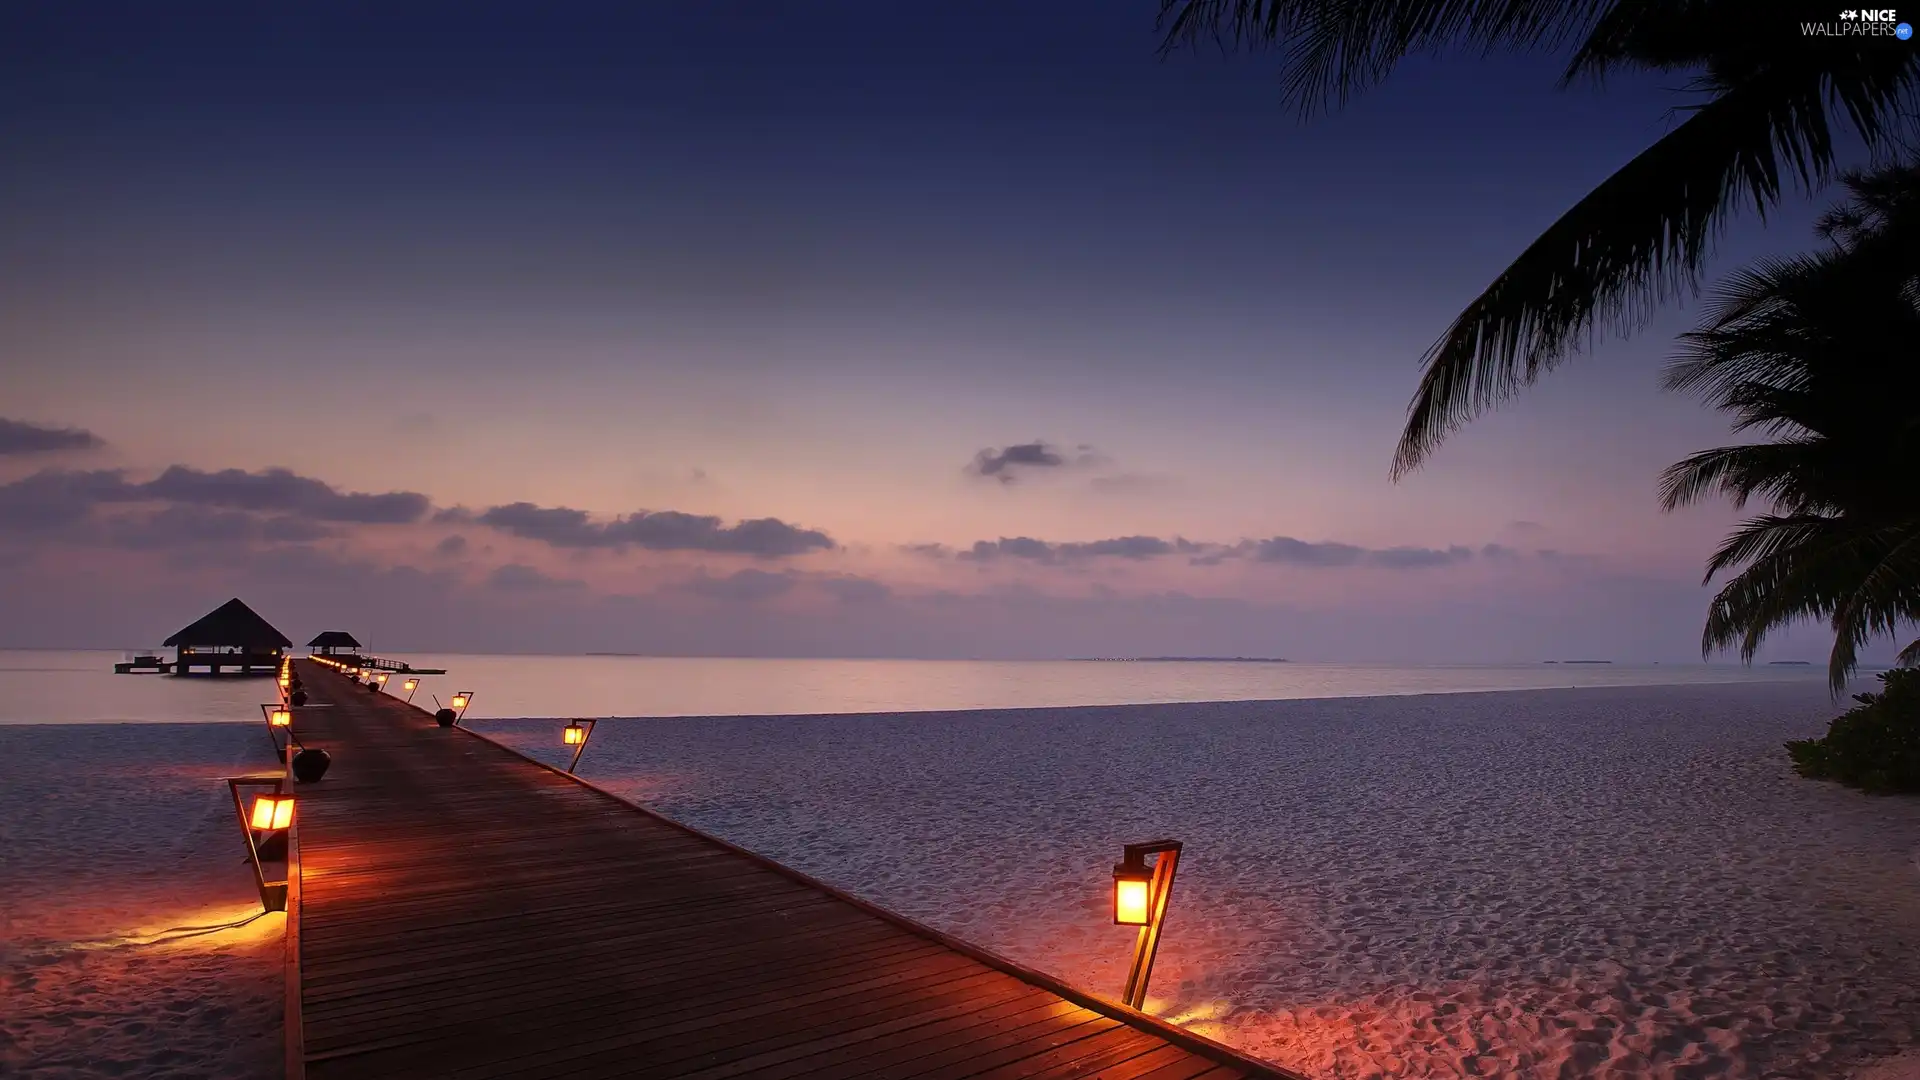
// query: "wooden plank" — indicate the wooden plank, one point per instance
point(463, 910)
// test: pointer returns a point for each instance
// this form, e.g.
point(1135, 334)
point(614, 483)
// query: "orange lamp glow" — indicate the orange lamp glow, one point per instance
point(574, 734)
point(1132, 896)
point(280, 718)
point(272, 812)
point(410, 685)
point(459, 701)
point(381, 678)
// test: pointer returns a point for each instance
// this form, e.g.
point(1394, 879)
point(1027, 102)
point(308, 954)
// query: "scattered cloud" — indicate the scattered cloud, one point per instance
point(662, 530)
point(279, 490)
point(451, 546)
point(20, 438)
point(1416, 558)
point(522, 576)
point(1009, 464)
point(1285, 549)
point(1334, 554)
point(54, 499)
point(232, 506)
point(1026, 547)
point(1524, 528)
point(1277, 549)
point(1499, 551)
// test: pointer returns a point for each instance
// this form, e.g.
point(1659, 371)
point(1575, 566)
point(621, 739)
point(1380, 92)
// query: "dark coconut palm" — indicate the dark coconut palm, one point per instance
point(1770, 104)
point(1822, 354)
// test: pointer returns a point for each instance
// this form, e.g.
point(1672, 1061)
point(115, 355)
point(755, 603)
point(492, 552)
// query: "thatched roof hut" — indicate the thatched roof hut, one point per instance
point(231, 635)
point(233, 625)
point(333, 641)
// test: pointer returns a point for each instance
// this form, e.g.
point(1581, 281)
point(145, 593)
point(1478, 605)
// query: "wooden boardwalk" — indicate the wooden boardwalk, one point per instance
point(462, 911)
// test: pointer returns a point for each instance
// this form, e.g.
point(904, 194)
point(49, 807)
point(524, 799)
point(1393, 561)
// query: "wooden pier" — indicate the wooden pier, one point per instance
point(460, 910)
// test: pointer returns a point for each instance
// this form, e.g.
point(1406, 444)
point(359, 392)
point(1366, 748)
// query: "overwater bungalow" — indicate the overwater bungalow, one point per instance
point(230, 638)
point(334, 643)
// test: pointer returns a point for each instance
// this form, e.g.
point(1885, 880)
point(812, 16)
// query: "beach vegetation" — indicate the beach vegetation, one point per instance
point(1820, 353)
point(1874, 746)
point(1771, 112)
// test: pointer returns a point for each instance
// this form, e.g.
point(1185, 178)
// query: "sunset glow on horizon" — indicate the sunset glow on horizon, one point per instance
point(915, 339)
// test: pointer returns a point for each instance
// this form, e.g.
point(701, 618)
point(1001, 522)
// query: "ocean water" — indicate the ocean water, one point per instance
point(66, 687)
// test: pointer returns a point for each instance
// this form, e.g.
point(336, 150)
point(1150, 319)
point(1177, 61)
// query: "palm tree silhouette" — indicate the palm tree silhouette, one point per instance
point(1772, 103)
point(1822, 354)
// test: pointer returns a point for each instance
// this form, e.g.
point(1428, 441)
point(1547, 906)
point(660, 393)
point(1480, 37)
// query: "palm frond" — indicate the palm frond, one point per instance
point(1658, 34)
point(1638, 238)
point(1337, 48)
point(1909, 656)
point(1741, 473)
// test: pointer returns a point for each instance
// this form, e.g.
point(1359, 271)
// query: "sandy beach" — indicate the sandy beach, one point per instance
point(121, 871)
point(1617, 882)
point(1595, 882)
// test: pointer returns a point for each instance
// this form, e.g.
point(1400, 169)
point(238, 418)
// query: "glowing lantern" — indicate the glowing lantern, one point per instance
point(271, 812)
point(574, 734)
point(459, 701)
point(381, 678)
point(280, 718)
point(1132, 895)
point(410, 685)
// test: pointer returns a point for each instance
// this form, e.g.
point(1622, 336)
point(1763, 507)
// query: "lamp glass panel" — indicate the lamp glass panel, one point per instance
point(271, 812)
point(1131, 901)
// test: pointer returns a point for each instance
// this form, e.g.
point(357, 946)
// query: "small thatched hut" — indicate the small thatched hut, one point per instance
point(231, 636)
point(334, 643)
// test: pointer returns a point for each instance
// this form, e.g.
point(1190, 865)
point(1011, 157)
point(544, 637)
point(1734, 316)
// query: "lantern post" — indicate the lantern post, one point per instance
point(279, 718)
point(266, 825)
point(1140, 894)
point(576, 734)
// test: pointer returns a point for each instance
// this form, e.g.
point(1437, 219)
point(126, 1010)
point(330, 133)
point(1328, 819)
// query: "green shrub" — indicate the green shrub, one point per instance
point(1874, 746)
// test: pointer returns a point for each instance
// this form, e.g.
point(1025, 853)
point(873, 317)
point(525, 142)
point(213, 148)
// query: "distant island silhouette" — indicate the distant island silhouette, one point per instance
point(1183, 659)
point(1576, 661)
point(1800, 663)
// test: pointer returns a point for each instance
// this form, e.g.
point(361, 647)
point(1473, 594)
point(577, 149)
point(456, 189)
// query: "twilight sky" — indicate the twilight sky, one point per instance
point(828, 329)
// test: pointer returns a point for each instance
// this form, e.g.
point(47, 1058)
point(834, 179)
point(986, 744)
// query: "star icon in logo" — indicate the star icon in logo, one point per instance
point(1849, 14)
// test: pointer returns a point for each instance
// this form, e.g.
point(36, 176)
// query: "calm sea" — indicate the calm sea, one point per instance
point(78, 687)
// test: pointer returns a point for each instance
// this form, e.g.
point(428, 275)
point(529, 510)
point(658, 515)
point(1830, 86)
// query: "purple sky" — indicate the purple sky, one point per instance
point(881, 331)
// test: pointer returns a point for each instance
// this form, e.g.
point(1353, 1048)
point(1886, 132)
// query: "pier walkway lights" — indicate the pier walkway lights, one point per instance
point(461, 699)
point(266, 824)
point(410, 686)
point(576, 734)
point(381, 679)
point(1140, 893)
point(279, 718)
